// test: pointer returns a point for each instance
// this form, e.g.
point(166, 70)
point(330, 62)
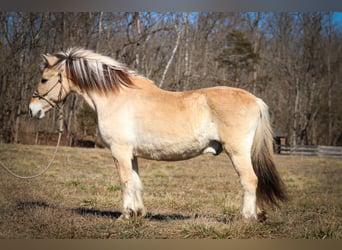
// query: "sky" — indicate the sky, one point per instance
point(338, 19)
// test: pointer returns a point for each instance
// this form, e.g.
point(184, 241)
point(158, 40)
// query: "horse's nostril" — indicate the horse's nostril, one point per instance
point(39, 113)
point(30, 112)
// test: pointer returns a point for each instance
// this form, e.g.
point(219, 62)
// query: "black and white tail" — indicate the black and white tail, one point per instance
point(270, 189)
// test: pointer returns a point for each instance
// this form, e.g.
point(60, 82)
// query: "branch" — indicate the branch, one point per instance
point(171, 58)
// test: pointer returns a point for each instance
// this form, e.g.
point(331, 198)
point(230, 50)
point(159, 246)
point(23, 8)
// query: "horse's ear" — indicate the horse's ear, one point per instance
point(49, 60)
point(45, 57)
point(44, 64)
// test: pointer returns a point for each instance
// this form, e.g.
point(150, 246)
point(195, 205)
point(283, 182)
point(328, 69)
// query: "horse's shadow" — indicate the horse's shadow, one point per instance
point(116, 214)
point(101, 213)
point(97, 212)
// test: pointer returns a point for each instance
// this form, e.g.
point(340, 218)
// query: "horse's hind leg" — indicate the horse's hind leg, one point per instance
point(242, 163)
point(131, 185)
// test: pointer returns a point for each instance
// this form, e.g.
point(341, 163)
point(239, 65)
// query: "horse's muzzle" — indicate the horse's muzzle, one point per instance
point(36, 110)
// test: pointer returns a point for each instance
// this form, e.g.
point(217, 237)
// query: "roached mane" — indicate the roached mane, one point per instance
point(92, 71)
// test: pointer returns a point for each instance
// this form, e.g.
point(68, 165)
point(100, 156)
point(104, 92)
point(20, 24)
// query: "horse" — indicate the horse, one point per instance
point(136, 119)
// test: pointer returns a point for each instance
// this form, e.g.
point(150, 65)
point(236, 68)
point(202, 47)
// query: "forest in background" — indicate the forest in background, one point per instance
point(291, 60)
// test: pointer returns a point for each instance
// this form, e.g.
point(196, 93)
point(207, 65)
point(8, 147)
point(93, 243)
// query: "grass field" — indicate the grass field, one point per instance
point(80, 197)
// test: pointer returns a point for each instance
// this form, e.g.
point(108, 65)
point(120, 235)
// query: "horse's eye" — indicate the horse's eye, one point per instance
point(44, 80)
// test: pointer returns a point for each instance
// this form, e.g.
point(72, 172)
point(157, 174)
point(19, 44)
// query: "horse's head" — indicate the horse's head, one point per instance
point(52, 88)
point(78, 70)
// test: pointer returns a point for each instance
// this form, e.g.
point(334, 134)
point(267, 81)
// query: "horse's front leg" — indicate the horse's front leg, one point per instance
point(131, 185)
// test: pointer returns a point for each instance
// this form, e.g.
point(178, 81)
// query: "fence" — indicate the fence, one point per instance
point(322, 151)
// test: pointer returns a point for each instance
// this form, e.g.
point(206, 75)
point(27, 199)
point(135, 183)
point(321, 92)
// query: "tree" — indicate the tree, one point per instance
point(87, 120)
point(238, 55)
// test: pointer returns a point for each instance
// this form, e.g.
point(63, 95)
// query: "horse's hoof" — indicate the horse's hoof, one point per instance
point(122, 217)
point(131, 214)
point(262, 216)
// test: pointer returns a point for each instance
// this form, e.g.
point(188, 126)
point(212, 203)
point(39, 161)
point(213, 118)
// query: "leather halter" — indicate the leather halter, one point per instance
point(51, 103)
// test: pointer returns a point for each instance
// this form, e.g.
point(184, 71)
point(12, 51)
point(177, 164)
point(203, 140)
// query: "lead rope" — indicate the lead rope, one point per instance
point(60, 130)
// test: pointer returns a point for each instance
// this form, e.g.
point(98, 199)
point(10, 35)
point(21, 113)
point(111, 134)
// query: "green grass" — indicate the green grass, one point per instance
point(80, 197)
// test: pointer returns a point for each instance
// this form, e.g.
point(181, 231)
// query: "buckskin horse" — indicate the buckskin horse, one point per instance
point(138, 119)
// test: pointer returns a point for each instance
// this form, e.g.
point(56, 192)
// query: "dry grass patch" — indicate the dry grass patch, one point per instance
point(80, 197)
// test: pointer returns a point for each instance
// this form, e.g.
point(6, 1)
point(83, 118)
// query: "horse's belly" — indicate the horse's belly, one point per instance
point(176, 147)
point(167, 152)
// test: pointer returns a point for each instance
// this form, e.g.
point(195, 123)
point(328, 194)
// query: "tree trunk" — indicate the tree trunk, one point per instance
point(330, 83)
point(296, 108)
point(137, 54)
point(171, 58)
point(186, 57)
point(98, 42)
point(19, 98)
point(256, 37)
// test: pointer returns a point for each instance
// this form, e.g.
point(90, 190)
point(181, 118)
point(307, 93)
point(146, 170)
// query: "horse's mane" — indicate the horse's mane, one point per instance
point(92, 71)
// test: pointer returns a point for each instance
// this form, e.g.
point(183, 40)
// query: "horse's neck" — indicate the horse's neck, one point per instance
point(95, 99)
point(144, 83)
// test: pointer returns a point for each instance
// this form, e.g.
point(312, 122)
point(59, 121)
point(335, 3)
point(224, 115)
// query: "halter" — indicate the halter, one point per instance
point(52, 103)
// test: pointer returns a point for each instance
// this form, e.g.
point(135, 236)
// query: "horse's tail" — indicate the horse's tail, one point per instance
point(270, 189)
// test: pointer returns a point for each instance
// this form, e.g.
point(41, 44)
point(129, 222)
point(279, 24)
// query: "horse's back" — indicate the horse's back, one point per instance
point(223, 97)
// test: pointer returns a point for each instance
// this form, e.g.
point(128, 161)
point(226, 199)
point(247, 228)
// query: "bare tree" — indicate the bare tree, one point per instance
point(292, 60)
